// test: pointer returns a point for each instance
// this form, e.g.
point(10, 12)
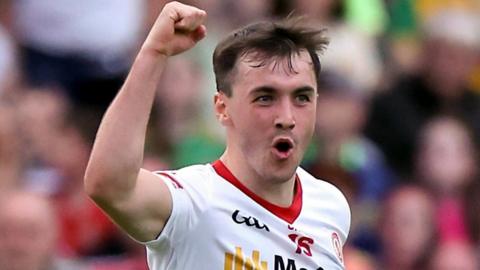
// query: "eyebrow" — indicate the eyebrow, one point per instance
point(272, 90)
point(304, 90)
point(263, 90)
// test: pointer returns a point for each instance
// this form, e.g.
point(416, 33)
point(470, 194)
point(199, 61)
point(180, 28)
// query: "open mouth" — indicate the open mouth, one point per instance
point(283, 148)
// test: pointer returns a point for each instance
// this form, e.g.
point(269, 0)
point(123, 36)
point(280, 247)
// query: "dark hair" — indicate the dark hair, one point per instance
point(270, 41)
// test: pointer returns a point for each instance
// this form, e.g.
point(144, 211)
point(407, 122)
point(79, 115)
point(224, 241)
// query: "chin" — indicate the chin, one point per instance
point(283, 177)
point(283, 171)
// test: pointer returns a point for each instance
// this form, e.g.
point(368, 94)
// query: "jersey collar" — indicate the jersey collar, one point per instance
point(288, 214)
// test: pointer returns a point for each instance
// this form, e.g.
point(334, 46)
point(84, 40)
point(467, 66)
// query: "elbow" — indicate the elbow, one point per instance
point(94, 185)
point(101, 185)
point(98, 183)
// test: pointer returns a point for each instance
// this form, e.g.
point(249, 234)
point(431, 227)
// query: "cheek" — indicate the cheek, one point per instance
point(252, 126)
point(254, 120)
point(305, 123)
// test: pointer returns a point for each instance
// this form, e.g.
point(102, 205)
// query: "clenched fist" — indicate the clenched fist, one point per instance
point(178, 28)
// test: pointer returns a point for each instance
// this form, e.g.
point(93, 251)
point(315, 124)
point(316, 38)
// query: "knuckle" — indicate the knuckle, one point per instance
point(173, 4)
point(200, 13)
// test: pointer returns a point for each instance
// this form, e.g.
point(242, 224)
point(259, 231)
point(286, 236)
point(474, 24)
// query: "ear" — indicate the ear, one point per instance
point(220, 101)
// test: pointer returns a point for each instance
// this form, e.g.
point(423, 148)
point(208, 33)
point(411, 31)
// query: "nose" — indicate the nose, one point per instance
point(285, 118)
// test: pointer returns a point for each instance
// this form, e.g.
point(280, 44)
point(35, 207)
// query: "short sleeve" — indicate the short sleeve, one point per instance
point(181, 216)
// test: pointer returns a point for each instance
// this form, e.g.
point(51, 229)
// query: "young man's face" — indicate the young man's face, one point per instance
point(272, 114)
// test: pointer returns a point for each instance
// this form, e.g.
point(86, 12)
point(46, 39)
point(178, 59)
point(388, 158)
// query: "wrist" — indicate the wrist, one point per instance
point(150, 52)
point(149, 63)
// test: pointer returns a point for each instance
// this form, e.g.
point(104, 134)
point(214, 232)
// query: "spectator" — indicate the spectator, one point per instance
point(447, 164)
point(56, 134)
point(340, 120)
point(347, 158)
point(407, 229)
point(41, 114)
point(68, 155)
point(28, 234)
point(454, 255)
point(83, 47)
point(450, 50)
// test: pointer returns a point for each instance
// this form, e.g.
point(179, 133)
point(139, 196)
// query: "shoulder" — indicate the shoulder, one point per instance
point(316, 185)
point(199, 178)
point(193, 172)
point(325, 198)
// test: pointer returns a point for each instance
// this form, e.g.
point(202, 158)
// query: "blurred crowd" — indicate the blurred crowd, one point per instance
point(398, 126)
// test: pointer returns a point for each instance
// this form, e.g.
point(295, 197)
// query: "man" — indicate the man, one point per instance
point(90, 69)
point(449, 53)
point(253, 208)
point(29, 234)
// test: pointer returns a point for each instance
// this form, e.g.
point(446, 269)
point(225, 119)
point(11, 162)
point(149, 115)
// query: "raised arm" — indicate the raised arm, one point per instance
point(135, 198)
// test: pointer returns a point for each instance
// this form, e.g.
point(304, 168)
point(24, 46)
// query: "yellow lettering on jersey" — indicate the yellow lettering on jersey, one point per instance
point(238, 259)
point(239, 262)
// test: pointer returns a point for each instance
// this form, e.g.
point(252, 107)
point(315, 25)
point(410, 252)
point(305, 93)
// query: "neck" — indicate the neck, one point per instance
point(280, 193)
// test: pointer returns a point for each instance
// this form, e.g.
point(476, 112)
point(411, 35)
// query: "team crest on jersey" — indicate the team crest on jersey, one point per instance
point(304, 243)
point(337, 246)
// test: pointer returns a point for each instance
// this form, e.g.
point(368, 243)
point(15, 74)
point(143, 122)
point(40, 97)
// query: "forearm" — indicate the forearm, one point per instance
point(113, 177)
point(117, 154)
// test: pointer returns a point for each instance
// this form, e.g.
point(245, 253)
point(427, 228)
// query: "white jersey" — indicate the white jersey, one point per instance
point(217, 223)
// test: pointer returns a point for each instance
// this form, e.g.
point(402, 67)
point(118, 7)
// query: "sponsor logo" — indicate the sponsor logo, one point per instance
point(303, 243)
point(238, 261)
point(249, 221)
point(337, 246)
point(290, 264)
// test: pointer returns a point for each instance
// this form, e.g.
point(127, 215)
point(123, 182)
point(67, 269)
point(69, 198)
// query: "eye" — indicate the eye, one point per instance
point(264, 100)
point(303, 98)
